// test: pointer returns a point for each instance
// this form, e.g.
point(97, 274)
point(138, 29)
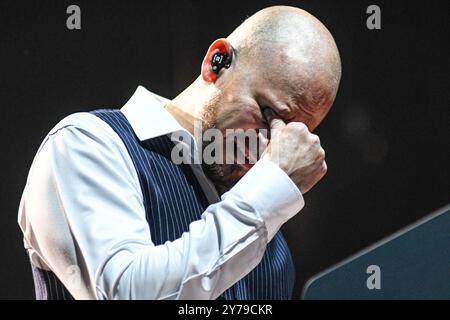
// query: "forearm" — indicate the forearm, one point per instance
point(217, 251)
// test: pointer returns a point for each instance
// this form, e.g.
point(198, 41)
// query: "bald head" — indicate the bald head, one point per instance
point(292, 47)
point(285, 60)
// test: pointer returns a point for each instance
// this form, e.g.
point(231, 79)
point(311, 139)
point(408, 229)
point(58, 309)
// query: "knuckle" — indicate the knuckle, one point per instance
point(324, 167)
point(321, 155)
point(290, 124)
point(297, 126)
point(315, 138)
point(302, 126)
point(318, 139)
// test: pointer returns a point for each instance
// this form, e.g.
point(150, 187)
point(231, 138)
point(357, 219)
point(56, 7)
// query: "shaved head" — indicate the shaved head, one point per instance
point(294, 48)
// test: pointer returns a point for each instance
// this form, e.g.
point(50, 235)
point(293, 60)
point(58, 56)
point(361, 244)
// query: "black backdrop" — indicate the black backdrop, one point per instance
point(387, 136)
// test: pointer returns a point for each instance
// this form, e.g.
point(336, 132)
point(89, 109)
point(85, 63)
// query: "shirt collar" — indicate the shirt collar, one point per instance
point(147, 116)
point(149, 119)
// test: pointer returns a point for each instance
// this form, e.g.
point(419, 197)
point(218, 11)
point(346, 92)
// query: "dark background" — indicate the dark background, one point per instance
point(387, 136)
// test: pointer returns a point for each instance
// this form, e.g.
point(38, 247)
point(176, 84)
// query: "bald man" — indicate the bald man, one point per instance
point(107, 213)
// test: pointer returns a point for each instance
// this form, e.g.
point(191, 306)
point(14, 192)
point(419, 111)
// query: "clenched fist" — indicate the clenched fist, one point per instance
point(296, 151)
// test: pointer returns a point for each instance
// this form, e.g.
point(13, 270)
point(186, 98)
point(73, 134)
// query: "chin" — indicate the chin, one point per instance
point(225, 176)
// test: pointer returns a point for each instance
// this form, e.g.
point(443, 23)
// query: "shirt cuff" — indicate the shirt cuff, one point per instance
point(270, 191)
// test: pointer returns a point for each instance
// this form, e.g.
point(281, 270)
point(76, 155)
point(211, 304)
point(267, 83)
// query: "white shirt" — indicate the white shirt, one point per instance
point(82, 189)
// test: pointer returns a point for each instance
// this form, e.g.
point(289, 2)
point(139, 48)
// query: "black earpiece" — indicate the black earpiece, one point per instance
point(220, 60)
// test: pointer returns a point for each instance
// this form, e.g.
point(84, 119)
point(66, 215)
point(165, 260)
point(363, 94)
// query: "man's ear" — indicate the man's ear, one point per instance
point(222, 46)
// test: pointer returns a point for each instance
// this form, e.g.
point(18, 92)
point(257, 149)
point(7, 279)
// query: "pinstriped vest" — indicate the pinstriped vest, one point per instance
point(173, 199)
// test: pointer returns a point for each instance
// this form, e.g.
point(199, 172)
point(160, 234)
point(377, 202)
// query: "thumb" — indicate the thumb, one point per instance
point(276, 124)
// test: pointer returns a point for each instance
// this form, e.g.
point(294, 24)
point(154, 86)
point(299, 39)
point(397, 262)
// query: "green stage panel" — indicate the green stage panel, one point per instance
point(414, 263)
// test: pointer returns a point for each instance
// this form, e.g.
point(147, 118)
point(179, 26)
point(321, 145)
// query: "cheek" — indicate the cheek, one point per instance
point(239, 118)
